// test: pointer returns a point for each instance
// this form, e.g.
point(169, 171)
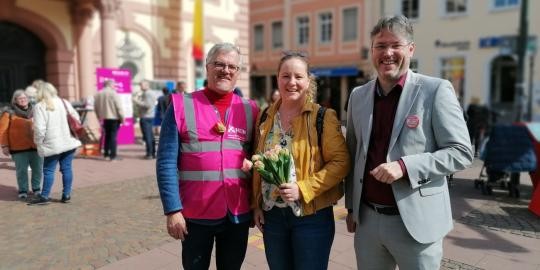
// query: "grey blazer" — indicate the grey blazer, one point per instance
point(430, 135)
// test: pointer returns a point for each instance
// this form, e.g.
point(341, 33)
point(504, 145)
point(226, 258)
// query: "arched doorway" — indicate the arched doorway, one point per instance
point(503, 87)
point(22, 59)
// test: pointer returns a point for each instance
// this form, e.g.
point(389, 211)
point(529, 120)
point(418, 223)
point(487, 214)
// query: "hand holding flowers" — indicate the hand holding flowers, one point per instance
point(290, 192)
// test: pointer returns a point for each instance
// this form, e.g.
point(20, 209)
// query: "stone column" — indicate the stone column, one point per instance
point(82, 12)
point(108, 9)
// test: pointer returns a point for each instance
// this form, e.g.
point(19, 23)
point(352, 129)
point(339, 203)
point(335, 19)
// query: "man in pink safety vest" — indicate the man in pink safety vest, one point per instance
point(202, 173)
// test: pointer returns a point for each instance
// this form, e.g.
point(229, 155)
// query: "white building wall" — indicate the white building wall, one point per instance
point(480, 21)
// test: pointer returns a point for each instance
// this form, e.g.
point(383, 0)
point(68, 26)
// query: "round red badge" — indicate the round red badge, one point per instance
point(412, 121)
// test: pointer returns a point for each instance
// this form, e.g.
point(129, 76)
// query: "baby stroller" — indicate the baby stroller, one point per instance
point(508, 152)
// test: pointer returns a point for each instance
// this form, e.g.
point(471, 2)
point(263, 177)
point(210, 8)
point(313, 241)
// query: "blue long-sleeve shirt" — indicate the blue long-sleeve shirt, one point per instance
point(167, 164)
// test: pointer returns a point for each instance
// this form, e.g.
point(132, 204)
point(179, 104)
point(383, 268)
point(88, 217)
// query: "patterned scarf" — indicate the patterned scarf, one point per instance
point(20, 112)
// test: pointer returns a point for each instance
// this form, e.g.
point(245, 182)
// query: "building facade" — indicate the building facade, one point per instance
point(333, 34)
point(64, 41)
point(473, 44)
point(470, 43)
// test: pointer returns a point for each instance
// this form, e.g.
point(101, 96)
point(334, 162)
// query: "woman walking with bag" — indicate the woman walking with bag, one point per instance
point(54, 140)
point(16, 140)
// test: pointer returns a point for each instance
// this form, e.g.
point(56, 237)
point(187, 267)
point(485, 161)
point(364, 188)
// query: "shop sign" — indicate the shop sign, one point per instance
point(335, 71)
point(458, 45)
point(507, 43)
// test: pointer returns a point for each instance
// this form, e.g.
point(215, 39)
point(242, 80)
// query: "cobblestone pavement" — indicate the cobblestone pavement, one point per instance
point(455, 265)
point(109, 222)
point(505, 215)
point(101, 225)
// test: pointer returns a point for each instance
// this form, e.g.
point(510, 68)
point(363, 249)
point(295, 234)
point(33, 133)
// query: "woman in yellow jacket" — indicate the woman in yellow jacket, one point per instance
point(16, 139)
point(297, 218)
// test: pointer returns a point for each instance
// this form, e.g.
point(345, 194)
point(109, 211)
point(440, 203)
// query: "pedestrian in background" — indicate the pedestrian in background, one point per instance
point(180, 87)
point(162, 103)
point(161, 107)
point(16, 139)
point(274, 96)
point(477, 122)
point(202, 170)
point(406, 133)
point(54, 140)
point(296, 218)
point(31, 91)
point(146, 103)
point(108, 108)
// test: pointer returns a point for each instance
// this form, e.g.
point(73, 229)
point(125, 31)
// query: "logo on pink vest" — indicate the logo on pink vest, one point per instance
point(236, 133)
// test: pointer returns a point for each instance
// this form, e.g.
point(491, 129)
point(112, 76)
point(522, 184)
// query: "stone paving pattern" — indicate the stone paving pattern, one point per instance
point(115, 221)
point(101, 225)
point(451, 265)
point(505, 215)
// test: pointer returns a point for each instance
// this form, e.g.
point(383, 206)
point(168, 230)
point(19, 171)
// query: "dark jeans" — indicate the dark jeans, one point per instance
point(148, 136)
point(110, 128)
point(231, 244)
point(298, 243)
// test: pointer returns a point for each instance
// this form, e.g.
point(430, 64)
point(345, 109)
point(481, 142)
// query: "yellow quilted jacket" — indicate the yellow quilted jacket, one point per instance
point(319, 177)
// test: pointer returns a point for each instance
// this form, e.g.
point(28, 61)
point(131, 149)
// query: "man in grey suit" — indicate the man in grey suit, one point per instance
point(405, 133)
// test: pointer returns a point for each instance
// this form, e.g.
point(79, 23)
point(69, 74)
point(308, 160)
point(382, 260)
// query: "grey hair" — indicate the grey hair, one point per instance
point(397, 24)
point(224, 47)
point(109, 83)
point(16, 94)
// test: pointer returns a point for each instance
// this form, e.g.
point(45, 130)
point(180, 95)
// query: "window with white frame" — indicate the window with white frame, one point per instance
point(409, 8)
point(258, 37)
point(350, 24)
point(453, 69)
point(455, 7)
point(505, 3)
point(325, 27)
point(277, 35)
point(302, 27)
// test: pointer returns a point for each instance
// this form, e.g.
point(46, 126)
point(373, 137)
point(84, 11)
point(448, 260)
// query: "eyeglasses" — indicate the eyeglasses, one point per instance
point(219, 66)
point(394, 47)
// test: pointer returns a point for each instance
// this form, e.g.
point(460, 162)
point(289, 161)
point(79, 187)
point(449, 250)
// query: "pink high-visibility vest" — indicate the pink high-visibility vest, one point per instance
point(210, 175)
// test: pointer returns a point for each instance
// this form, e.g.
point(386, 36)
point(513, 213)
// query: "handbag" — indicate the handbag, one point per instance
point(75, 127)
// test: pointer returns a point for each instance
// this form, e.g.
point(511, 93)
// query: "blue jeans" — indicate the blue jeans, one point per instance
point(49, 166)
point(148, 136)
point(22, 161)
point(231, 245)
point(298, 243)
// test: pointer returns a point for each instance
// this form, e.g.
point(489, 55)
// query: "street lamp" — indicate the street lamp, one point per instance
point(521, 48)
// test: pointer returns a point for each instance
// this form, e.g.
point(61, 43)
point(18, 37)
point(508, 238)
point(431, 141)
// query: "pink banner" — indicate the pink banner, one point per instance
point(122, 79)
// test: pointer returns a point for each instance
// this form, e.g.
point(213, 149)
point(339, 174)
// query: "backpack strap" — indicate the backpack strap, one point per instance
point(319, 124)
point(263, 116)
